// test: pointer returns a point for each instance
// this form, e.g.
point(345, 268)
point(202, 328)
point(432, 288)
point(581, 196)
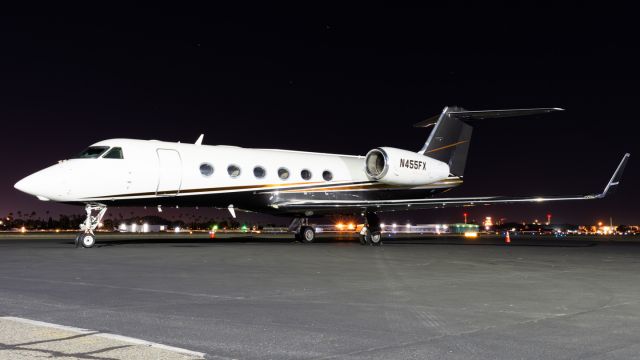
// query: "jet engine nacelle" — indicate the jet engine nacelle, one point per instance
point(401, 167)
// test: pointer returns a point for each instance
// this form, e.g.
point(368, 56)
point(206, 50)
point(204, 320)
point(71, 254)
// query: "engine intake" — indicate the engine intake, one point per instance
point(401, 167)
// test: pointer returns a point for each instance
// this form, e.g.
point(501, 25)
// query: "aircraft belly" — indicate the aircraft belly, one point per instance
point(267, 202)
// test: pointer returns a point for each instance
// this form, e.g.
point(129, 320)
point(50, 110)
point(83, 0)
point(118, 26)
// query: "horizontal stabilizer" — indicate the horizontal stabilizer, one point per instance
point(487, 114)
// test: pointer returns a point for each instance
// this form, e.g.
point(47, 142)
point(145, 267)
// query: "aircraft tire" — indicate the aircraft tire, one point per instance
point(307, 234)
point(87, 240)
point(77, 239)
point(376, 238)
point(363, 239)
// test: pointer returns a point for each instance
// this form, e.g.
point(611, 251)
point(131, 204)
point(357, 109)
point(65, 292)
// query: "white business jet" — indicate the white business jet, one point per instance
point(126, 172)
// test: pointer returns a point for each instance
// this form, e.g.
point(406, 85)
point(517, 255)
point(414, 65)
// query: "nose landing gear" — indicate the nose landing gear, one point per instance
point(86, 238)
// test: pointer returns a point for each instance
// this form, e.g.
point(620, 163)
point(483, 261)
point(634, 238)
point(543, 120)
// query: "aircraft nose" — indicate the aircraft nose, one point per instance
point(40, 184)
point(27, 185)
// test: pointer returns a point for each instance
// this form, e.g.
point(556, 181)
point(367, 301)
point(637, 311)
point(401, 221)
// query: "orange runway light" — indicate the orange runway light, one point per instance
point(471, 234)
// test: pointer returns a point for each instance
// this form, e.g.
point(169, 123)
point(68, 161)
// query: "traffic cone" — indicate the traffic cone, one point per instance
point(212, 234)
point(507, 239)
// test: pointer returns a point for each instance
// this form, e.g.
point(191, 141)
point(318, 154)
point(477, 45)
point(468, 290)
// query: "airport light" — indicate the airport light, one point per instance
point(351, 226)
point(340, 226)
point(382, 225)
point(23, 230)
point(133, 227)
point(123, 227)
point(471, 234)
point(1, 222)
point(145, 227)
point(177, 229)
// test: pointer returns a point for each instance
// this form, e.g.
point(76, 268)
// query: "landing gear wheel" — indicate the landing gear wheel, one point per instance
point(77, 239)
point(365, 239)
point(87, 240)
point(376, 238)
point(307, 234)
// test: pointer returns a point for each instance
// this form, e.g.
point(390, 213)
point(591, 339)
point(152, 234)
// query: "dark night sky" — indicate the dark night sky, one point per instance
point(337, 80)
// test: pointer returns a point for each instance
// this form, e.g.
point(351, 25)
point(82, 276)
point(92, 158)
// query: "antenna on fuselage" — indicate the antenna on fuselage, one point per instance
point(199, 141)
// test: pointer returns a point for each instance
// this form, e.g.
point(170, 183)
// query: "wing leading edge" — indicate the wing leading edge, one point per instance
point(433, 203)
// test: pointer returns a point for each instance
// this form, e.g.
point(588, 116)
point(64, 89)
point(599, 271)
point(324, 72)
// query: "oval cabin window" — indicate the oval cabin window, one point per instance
point(206, 169)
point(259, 172)
point(233, 171)
point(305, 174)
point(283, 173)
point(327, 175)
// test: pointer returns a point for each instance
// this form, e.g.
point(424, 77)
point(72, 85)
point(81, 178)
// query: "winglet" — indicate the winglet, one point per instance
point(199, 141)
point(615, 179)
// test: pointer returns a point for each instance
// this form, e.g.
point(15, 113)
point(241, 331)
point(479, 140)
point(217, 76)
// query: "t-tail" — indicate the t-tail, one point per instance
point(451, 135)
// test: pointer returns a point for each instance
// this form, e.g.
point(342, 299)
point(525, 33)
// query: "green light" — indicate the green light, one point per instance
point(215, 227)
point(244, 227)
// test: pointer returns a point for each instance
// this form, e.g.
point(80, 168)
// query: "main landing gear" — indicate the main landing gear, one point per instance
point(303, 232)
point(371, 233)
point(86, 238)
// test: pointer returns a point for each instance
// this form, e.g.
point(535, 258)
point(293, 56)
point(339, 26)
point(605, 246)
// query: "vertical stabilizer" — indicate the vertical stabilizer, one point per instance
point(448, 141)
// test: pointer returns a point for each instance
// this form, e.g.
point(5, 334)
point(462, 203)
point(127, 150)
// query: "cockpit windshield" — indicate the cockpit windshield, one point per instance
point(92, 152)
point(114, 153)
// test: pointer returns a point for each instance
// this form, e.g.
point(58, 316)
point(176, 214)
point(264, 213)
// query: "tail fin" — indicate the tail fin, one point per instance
point(450, 137)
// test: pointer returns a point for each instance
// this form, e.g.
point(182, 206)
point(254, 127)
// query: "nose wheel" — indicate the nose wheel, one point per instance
point(87, 237)
point(86, 240)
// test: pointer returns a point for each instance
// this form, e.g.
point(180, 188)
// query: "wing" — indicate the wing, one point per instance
point(433, 203)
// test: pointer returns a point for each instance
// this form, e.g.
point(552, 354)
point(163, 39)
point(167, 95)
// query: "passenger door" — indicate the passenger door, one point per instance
point(170, 172)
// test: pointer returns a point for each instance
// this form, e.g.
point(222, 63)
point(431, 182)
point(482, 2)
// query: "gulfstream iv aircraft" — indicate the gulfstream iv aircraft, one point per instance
point(126, 172)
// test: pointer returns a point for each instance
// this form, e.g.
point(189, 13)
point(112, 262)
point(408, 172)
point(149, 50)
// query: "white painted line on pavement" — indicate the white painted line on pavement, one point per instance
point(106, 336)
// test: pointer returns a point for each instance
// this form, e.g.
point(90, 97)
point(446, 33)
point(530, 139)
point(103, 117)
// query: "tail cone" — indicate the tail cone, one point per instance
point(507, 239)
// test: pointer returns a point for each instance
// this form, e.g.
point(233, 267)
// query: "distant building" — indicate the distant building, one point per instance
point(431, 228)
point(463, 228)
